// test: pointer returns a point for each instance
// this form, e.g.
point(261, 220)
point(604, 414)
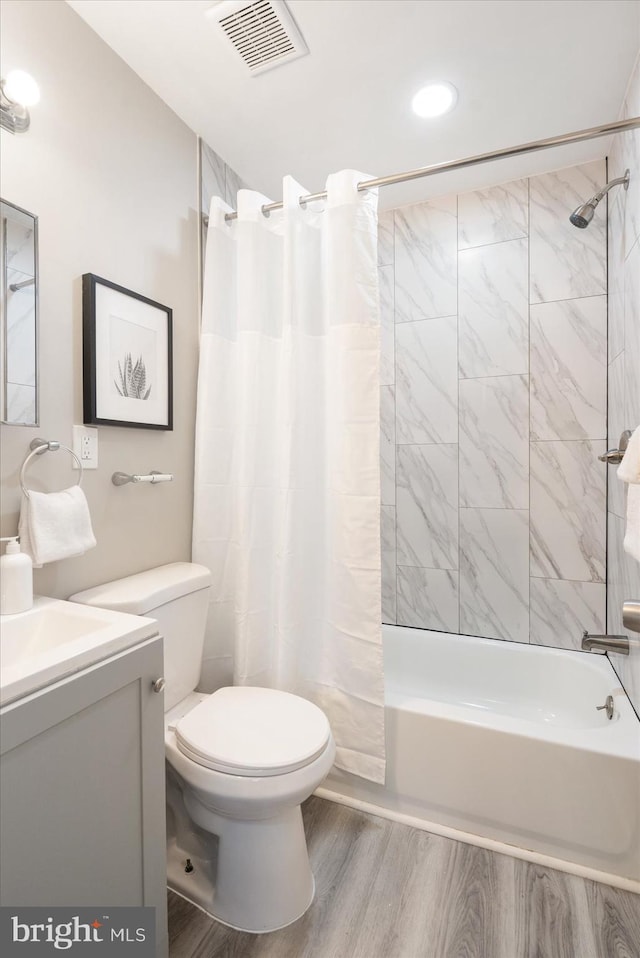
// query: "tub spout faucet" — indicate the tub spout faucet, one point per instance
point(605, 643)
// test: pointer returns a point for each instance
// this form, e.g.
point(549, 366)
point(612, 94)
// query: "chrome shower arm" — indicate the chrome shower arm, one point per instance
point(582, 215)
point(620, 180)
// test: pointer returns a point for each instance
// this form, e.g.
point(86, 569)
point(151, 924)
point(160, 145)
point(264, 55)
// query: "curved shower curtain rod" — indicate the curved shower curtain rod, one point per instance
point(619, 126)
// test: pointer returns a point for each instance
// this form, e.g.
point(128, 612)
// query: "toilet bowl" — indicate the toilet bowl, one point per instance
point(261, 873)
point(240, 762)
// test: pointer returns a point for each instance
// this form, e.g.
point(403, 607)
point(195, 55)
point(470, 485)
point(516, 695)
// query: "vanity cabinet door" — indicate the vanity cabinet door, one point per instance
point(82, 790)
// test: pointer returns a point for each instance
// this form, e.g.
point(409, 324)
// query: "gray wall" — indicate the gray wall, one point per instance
point(624, 373)
point(494, 412)
point(111, 173)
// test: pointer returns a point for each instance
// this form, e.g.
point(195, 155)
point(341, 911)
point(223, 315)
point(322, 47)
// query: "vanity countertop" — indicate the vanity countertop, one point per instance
point(56, 638)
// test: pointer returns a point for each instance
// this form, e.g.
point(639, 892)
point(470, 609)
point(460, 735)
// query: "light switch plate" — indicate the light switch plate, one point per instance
point(85, 446)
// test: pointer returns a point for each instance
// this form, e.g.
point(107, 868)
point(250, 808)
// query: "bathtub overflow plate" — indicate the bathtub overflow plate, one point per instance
point(608, 706)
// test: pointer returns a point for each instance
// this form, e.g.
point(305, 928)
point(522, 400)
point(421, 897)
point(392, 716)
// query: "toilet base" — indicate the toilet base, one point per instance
point(253, 876)
point(196, 900)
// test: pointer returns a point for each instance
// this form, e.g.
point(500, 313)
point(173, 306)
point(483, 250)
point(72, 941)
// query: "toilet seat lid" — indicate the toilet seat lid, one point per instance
point(243, 730)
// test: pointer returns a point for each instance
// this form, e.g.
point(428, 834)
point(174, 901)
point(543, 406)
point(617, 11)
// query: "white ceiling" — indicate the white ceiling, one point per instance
point(524, 69)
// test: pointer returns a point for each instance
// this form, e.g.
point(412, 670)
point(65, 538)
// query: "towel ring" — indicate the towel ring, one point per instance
point(40, 446)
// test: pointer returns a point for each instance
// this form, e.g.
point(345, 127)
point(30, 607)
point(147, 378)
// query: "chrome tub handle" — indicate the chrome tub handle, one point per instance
point(614, 456)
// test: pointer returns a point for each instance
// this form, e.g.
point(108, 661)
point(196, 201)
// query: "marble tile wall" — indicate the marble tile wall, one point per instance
point(216, 179)
point(623, 572)
point(494, 410)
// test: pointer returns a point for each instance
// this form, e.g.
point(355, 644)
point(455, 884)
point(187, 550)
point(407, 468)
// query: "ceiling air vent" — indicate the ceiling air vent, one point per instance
point(263, 33)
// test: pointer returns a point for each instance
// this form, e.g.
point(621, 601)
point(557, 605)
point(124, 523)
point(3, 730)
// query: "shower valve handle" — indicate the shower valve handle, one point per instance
point(614, 456)
point(631, 615)
point(611, 456)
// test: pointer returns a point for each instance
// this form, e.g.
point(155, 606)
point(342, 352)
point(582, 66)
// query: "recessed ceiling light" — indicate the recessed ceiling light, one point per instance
point(435, 99)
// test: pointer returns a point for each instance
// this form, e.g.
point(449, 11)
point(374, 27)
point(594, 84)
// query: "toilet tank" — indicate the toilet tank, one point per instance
point(177, 597)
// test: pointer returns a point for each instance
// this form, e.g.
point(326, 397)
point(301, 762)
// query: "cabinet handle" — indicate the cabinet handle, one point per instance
point(158, 685)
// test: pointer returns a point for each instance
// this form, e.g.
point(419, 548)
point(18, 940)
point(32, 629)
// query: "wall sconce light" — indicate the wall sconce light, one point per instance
point(17, 92)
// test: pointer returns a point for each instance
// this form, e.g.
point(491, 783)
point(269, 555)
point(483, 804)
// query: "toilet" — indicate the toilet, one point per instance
point(239, 761)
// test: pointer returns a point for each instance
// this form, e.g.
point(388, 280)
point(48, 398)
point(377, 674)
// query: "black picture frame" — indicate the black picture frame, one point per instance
point(127, 357)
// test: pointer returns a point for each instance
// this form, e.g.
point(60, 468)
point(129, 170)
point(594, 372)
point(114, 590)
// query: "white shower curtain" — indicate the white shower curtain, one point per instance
point(287, 489)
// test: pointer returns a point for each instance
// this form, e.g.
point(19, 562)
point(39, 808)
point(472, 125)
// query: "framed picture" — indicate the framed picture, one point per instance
point(127, 357)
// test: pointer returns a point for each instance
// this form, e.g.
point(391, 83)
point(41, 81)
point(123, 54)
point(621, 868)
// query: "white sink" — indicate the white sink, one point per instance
point(55, 639)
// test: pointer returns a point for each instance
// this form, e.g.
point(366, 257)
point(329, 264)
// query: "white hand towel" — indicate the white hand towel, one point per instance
point(55, 525)
point(629, 468)
point(629, 472)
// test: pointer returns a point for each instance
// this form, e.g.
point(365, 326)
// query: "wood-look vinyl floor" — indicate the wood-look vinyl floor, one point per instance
point(385, 890)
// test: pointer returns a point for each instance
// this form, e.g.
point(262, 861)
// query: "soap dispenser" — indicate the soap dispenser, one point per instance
point(16, 579)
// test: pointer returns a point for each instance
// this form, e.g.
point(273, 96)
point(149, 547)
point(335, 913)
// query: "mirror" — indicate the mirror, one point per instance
point(19, 312)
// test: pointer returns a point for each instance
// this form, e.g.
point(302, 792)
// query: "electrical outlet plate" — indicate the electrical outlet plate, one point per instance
point(85, 446)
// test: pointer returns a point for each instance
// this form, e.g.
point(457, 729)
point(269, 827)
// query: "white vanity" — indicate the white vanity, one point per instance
point(82, 785)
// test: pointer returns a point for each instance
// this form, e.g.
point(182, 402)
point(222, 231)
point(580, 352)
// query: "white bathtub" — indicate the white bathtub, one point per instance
point(500, 744)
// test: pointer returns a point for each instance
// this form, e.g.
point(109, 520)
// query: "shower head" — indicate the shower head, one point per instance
point(582, 215)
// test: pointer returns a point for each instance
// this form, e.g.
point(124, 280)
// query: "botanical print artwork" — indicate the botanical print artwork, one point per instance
point(132, 378)
point(133, 348)
point(127, 357)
